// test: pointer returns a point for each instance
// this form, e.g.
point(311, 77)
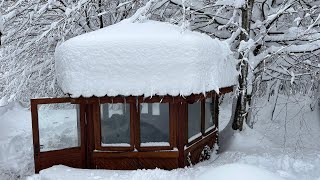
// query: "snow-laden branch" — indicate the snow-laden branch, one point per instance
point(144, 12)
point(273, 50)
point(273, 17)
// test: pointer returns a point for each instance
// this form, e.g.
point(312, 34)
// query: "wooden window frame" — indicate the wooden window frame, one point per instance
point(172, 124)
point(43, 156)
point(200, 97)
point(190, 100)
point(66, 100)
point(97, 122)
point(214, 96)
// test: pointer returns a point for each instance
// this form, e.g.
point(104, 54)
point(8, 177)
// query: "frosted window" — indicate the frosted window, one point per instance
point(154, 122)
point(209, 113)
point(59, 126)
point(115, 124)
point(194, 119)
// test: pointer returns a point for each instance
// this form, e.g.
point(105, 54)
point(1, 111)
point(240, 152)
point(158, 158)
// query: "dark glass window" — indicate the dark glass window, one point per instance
point(154, 124)
point(209, 113)
point(115, 124)
point(194, 120)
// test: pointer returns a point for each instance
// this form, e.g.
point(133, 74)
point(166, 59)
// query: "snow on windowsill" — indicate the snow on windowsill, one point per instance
point(152, 144)
point(116, 145)
point(192, 138)
point(210, 128)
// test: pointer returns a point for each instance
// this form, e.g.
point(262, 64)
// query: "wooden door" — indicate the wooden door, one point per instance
point(58, 127)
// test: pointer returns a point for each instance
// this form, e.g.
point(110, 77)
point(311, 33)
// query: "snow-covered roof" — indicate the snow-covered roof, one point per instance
point(148, 58)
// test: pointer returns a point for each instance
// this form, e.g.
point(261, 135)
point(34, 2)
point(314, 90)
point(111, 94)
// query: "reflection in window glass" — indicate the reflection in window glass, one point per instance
point(115, 124)
point(194, 119)
point(154, 124)
point(59, 126)
point(209, 113)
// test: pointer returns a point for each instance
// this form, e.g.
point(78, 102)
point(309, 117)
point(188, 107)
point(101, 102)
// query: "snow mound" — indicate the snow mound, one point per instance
point(16, 152)
point(239, 172)
point(3, 101)
point(224, 172)
point(145, 58)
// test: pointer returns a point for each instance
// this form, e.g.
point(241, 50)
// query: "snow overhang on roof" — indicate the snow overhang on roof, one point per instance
point(149, 58)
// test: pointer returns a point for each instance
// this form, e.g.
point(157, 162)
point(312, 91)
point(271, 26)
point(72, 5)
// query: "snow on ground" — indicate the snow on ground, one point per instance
point(16, 154)
point(273, 149)
point(293, 125)
point(248, 172)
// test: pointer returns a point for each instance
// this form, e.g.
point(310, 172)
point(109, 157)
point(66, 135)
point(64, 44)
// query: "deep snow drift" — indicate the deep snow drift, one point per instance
point(291, 154)
point(144, 58)
point(16, 154)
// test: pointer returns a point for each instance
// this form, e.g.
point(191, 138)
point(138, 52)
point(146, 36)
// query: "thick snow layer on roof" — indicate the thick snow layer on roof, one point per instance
point(148, 58)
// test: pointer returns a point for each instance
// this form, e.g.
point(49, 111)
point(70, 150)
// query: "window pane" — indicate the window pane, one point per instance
point(209, 113)
point(59, 126)
point(115, 124)
point(194, 119)
point(154, 124)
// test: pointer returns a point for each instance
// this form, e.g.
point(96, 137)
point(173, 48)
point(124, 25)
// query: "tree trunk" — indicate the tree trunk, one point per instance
point(241, 107)
point(100, 18)
point(1, 27)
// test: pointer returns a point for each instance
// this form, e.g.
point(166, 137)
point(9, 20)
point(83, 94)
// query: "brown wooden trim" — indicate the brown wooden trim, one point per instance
point(194, 140)
point(210, 94)
point(80, 100)
point(210, 131)
point(92, 100)
point(90, 135)
point(201, 142)
point(225, 90)
point(117, 99)
point(35, 133)
point(83, 134)
point(96, 126)
point(182, 131)
point(133, 126)
point(137, 138)
point(51, 100)
point(173, 124)
point(155, 99)
point(48, 154)
point(202, 109)
point(160, 154)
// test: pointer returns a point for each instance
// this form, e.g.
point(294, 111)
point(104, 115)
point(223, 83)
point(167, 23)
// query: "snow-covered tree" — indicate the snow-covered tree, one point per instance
point(33, 29)
point(276, 41)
